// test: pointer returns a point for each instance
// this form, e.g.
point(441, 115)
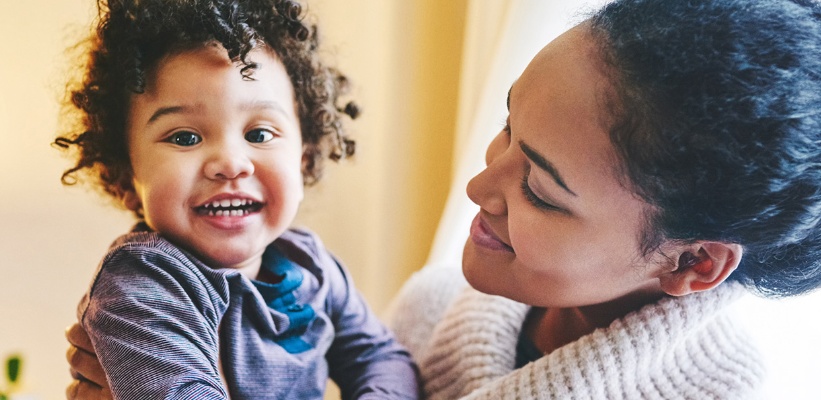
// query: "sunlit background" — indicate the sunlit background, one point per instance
point(417, 145)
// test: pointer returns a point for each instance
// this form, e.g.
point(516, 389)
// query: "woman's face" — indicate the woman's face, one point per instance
point(556, 227)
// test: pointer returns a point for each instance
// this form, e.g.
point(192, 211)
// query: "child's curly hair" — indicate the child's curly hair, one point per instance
point(133, 35)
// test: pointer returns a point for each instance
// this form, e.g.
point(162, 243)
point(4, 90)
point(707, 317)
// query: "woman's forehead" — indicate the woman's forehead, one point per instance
point(558, 108)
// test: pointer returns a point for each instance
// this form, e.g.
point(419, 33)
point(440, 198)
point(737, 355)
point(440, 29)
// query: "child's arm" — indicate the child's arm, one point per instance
point(365, 360)
point(153, 324)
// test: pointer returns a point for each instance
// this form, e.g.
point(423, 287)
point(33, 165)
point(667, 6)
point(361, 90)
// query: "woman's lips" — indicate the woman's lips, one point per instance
point(482, 236)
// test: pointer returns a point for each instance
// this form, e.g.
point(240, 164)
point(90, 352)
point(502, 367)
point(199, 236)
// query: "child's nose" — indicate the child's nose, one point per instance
point(228, 162)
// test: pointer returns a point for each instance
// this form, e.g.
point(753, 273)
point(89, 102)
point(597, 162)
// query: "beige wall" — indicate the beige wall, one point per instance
point(378, 212)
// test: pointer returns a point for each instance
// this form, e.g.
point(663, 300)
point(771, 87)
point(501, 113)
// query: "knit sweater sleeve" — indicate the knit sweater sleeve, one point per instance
point(153, 322)
point(421, 303)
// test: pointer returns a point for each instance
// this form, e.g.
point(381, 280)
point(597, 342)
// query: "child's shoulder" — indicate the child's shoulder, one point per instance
point(139, 236)
point(142, 239)
point(142, 249)
point(144, 259)
point(143, 271)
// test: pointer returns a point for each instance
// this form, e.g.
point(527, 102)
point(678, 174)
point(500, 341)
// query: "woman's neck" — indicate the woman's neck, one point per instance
point(552, 328)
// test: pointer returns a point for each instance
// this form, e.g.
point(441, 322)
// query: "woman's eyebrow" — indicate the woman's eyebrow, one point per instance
point(545, 165)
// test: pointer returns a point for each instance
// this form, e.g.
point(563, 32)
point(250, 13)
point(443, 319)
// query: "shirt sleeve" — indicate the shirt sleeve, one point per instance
point(154, 326)
point(365, 360)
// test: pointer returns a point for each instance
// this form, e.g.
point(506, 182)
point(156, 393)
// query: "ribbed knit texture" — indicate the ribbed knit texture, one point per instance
point(678, 348)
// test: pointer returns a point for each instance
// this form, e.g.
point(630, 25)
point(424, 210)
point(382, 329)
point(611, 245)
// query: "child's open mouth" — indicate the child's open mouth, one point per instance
point(229, 208)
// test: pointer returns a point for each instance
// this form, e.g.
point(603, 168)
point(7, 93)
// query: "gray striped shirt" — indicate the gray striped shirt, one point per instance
point(161, 323)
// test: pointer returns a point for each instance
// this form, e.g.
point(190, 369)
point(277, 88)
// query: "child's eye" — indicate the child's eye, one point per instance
point(259, 135)
point(184, 138)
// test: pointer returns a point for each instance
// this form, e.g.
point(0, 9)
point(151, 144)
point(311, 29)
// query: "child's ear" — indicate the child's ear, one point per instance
point(131, 201)
point(701, 267)
point(307, 160)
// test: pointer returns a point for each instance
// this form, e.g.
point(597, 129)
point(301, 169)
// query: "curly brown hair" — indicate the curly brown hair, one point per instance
point(133, 35)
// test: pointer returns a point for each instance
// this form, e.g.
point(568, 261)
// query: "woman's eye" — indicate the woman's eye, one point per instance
point(506, 126)
point(534, 199)
point(259, 135)
point(184, 138)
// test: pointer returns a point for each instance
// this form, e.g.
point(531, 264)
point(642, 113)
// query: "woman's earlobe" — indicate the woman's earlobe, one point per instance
point(702, 267)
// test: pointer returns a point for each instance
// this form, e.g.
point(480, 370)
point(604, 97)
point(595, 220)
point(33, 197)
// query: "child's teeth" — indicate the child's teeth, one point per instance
point(219, 207)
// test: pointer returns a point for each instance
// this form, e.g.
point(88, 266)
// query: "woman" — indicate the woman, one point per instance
point(658, 160)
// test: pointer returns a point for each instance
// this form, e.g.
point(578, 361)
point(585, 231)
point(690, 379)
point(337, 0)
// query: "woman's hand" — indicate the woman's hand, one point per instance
point(89, 379)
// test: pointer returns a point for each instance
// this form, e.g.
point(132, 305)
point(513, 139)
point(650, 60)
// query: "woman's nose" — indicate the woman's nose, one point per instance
point(228, 161)
point(496, 147)
point(487, 188)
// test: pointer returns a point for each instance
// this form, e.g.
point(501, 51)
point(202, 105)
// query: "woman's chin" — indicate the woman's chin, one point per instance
point(481, 280)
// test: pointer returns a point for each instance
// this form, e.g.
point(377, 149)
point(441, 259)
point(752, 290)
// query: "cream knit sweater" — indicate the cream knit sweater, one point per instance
point(678, 348)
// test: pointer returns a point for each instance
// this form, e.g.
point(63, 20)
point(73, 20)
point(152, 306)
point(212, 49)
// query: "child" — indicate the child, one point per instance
point(205, 118)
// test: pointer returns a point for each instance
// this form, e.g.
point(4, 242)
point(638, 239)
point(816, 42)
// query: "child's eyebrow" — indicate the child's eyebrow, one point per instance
point(162, 111)
point(249, 106)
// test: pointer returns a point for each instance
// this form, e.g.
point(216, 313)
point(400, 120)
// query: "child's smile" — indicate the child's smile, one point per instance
point(228, 211)
point(229, 206)
point(217, 158)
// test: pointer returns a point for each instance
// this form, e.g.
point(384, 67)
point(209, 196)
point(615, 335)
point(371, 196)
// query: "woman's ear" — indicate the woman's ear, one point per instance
point(701, 267)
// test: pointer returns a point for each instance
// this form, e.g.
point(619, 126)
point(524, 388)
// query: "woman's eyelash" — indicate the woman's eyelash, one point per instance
point(533, 199)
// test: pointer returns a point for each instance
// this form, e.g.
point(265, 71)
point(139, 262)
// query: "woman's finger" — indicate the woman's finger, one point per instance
point(83, 390)
point(86, 367)
point(78, 337)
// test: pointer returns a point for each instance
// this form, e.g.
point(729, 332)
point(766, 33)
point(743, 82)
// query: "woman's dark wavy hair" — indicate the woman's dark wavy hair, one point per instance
point(717, 112)
point(133, 35)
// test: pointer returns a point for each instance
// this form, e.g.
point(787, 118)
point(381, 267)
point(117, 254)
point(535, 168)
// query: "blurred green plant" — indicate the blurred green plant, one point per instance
point(13, 363)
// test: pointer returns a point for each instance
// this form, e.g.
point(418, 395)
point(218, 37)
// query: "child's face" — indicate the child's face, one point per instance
point(535, 240)
point(216, 158)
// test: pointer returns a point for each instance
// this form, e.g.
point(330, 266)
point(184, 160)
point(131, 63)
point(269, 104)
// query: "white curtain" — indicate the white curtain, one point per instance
point(500, 39)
